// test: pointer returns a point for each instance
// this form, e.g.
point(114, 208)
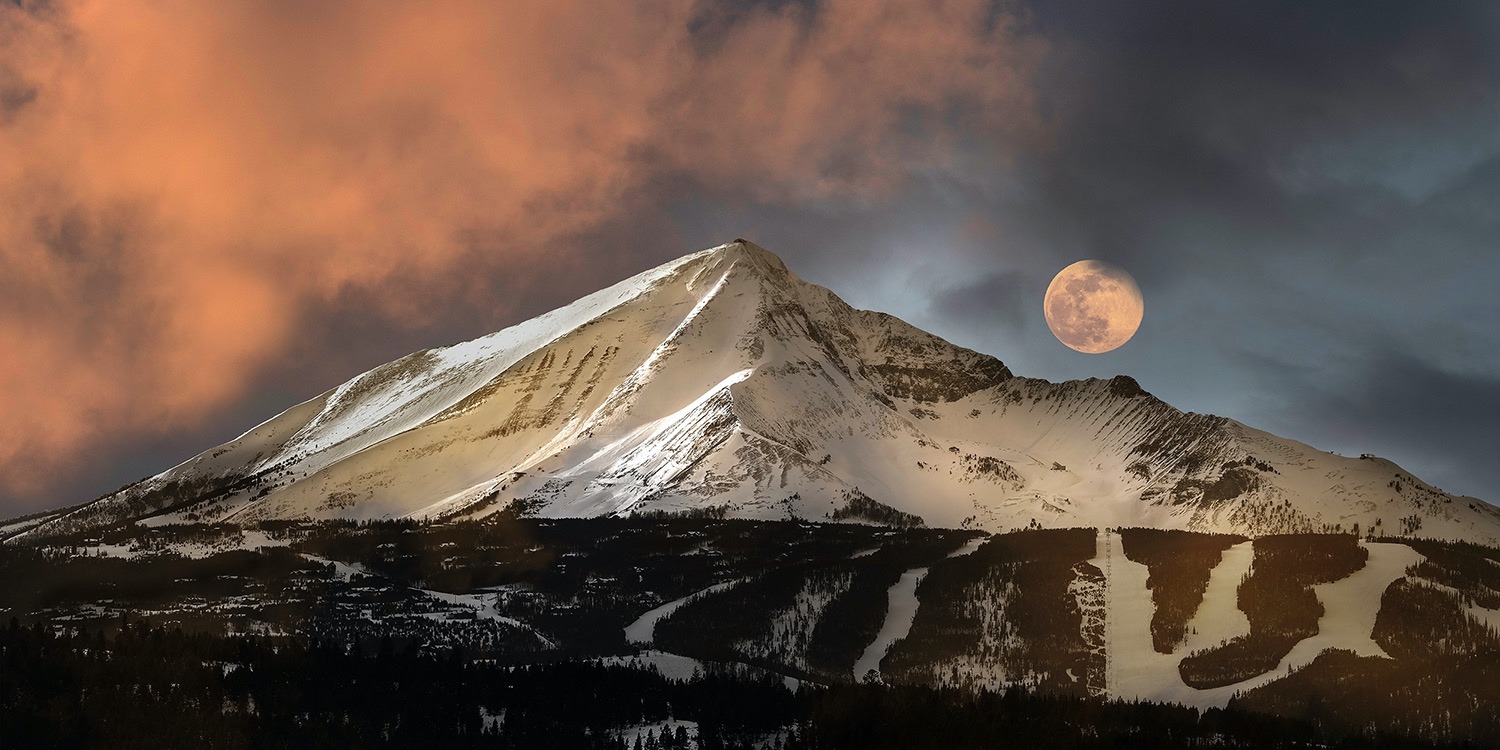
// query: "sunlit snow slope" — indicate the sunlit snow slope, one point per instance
point(722, 382)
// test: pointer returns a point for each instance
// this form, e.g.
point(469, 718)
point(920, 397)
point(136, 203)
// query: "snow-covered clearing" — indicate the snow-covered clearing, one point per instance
point(1490, 617)
point(969, 547)
point(248, 539)
point(671, 666)
point(483, 605)
point(1137, 671)
point(643, 630)
point(683, 668)
point(1133, 666)
point(639, 732)
point(901, 610)
point(1219, 618)
point(342, 571)
point(122, 551)
point(18, 527)
point(1350, 605)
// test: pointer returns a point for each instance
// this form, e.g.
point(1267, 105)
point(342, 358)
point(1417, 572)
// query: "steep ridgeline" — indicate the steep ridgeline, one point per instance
point(722, 383)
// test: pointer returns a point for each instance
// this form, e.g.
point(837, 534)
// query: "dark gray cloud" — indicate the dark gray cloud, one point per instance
point(1267, 119)
point(1001, 298)
point(1405, 408)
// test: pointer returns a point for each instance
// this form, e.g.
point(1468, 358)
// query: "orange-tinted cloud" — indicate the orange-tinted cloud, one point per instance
point(180, 181)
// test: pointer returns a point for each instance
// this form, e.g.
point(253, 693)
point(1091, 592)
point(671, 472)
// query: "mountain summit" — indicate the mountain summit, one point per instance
point(721, 383)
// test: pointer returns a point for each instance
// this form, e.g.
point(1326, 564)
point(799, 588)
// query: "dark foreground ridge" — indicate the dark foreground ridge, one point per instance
point(149, 687)
point(523, 632)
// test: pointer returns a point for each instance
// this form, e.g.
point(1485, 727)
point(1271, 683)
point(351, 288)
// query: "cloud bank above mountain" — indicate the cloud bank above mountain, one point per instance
point(211, 211)
point(190, 189)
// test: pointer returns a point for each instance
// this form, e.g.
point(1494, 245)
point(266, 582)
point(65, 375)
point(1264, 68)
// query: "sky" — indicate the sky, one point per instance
point(212, 211)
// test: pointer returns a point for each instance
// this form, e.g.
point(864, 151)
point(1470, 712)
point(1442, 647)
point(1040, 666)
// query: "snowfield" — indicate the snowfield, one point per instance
point(900, 611)
point(1219, 618)
point(1137, 671)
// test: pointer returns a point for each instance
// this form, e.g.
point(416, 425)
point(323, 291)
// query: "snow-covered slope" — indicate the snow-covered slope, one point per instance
point(721, 382)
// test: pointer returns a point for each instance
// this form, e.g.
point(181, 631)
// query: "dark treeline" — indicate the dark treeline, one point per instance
point(579, 581)
point(1471, 569)
point(714, 626)
point(148, 687)
point(614, 569)
point(1025, 576)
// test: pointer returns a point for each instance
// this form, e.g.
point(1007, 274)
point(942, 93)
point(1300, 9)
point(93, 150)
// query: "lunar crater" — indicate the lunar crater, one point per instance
point(1093, 306)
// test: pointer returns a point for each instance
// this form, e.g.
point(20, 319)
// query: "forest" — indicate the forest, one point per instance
point(779, 617)
point(148, 687)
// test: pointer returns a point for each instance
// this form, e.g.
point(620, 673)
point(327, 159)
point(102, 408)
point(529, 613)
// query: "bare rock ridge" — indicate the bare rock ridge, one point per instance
point(721, 383)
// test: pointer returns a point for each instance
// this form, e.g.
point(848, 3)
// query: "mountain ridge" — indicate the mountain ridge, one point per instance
point(722, 383)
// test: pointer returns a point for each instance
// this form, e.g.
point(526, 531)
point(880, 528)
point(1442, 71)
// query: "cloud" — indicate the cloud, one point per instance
point(186, 189)
point(1402, 407)
point(998, 298)
point(1262, 120)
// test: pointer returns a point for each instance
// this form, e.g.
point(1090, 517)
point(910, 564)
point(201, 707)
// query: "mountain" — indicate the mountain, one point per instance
point(645, 493)
point(721, 384)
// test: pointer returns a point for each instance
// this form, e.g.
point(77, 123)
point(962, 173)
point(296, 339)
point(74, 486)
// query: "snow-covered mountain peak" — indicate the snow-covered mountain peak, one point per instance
point(722, 383)
point(744, 251)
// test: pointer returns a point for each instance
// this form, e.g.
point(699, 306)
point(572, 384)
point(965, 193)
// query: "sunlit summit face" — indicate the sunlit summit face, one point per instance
point(1093, 306)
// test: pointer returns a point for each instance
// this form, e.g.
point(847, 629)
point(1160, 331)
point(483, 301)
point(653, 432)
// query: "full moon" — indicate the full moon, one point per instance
point(1093, 306)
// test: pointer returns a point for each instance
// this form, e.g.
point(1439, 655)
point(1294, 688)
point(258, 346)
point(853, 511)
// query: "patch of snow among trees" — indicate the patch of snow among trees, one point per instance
point(643, 630)
point(1137, 671)
point(900, 611)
